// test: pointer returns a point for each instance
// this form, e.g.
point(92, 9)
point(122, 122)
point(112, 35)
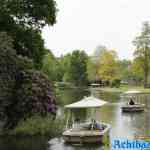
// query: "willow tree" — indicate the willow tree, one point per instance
point(142, 51)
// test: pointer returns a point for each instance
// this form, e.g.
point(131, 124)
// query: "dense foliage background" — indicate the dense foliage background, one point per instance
point(24, 91)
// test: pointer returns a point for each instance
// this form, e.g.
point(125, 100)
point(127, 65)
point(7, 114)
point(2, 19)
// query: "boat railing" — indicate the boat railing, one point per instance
point(80, 124)
point(89, 125)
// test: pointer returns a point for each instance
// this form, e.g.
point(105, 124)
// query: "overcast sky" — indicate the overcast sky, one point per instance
point(85, 24)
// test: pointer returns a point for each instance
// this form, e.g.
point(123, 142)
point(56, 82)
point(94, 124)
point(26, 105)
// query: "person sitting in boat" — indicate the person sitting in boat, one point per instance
point(131, 102)
point(77, 120)
point(94, 125)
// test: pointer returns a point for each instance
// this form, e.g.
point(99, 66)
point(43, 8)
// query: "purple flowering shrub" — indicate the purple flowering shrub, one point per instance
point(24, 92)
point(33, 95)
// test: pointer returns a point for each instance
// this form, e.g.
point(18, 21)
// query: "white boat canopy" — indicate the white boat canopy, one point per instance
point(87, 102)
point(132, 92)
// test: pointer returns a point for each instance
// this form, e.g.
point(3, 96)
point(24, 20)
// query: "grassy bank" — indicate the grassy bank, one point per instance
point(125, 88)
point(38, 126)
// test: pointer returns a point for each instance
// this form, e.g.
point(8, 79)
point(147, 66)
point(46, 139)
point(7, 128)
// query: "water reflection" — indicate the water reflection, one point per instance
point(25, 143)
point(124, 125)
point(58, 144)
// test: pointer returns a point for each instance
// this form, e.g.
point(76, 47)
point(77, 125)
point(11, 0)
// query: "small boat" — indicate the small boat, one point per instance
point(135, 107)
point(142, 137)
point(95, 85)
point(86, 132)
point(133, 92)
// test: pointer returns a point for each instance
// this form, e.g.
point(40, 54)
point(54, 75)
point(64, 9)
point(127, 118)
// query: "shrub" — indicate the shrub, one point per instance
point(37, 125)
point(24, 92)
point(116, 83)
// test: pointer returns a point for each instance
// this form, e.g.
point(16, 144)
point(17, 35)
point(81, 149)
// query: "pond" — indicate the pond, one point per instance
point(124, 125)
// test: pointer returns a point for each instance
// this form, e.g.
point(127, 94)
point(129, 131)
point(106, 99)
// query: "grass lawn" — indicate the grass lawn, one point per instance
point(124, 88)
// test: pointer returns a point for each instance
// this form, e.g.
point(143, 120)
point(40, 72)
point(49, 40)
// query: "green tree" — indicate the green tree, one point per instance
point(137, 70)
point(76, 68)
point(142, 43)
point(64, 62)
point(108, 70)
point(32, 14)
point(23, 91)
point(92, 70)
point(30, 44)
point(8, 70)
point(125, 69)
point(51, 67)
point(23, 21)
point(93, 64)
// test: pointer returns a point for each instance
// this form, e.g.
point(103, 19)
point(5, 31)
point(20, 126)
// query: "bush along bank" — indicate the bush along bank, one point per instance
point(39, 126)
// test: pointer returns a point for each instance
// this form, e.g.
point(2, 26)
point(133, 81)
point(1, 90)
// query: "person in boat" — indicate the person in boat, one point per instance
point(131, 102)
point(77, 120)
point(94, 125)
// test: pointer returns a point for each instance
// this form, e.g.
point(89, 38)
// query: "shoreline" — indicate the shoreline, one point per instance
point(122, 89)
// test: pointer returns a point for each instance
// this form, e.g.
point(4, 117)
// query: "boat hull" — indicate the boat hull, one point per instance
point(83, 137)
point(133, 108)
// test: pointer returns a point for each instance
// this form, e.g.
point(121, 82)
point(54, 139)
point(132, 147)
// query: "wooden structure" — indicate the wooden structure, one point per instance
point(86, 132)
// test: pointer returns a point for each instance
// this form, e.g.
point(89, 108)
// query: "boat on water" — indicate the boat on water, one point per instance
point(132, 92)
point(86, 132)
point(131, 106)
point(94, 85)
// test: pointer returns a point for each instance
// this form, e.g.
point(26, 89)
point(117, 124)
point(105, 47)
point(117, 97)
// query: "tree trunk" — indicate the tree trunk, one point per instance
point(145, 80)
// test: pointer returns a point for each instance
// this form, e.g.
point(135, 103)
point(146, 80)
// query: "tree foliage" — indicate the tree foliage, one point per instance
point(29, 13)
point(23, 91)
point(51, 67)
point(92, 70)
point(8, 69)
point(142, 52)
point(137, 70)
point(76, 68)
point(125, 69)
point(65, 62)
point(93, 64)
point(33, 95)
point(23, 21)
point(108, 65)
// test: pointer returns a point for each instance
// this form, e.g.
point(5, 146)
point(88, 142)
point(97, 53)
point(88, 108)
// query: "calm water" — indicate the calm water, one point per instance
point(124, 125)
